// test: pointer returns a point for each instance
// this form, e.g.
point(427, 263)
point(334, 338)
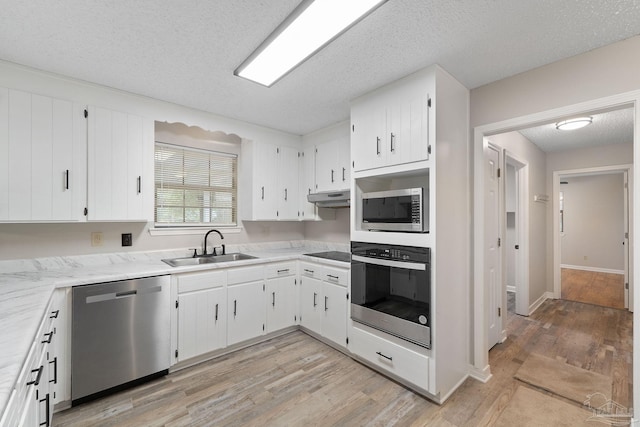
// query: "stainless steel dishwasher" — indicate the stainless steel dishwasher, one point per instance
point(119, 335)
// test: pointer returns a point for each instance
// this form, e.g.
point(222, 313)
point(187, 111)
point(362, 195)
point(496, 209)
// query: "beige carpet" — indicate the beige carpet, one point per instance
point(532, 408)
point(563, 379)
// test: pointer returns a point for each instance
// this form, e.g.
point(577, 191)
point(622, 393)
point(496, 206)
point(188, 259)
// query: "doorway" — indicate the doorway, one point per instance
point(516, 233)
point(591, 207)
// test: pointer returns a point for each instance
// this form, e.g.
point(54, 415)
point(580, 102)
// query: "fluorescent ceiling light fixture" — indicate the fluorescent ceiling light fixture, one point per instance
point(573, 124)
point(310, 27)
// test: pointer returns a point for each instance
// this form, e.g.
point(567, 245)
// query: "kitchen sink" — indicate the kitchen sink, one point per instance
point(213, 259)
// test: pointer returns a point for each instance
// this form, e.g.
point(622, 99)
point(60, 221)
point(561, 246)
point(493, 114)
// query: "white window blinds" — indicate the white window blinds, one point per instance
point(195, 187)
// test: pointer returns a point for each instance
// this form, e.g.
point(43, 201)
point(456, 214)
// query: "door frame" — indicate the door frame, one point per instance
point(522, 232)
point(627, 171)
point(479, 364)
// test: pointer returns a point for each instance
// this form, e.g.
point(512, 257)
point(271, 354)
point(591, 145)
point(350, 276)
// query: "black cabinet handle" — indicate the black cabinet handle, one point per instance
point(139, 184)
point(49, 337)
point(37, 380)
point(235, 306)
point(273, 299)
point(332, 175)
point(308, 271)
point(47, 413)
point(325, 303)
point(66, 179)
point(285, 194)
point(54, 314)
point(393, 140)
point(55, 370)
point(314, 299)
point(286, 270)
point(216, 312)
point(382, 355)
point(332, 277)
point(262, 193)
point(343, 171)
point(377, 145)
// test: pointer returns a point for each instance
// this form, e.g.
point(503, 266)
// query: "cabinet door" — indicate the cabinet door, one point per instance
point(368, 138)
point(343, 177)
point(408, 129)
point(310, 304)
point(202, 322)
point(326, 173)
point(334, 315)
point(246, 308)
point(287, 172)
point(307, 182)
point(116, 168)
point(265, 182)
point(281, 305)
point(39, 161)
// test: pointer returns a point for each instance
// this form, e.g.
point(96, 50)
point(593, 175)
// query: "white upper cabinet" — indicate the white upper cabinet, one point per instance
point(391, 125)
point(42, 163)
point(307, 179)
point(333, 166)
point(271, 173)
point(119, 178)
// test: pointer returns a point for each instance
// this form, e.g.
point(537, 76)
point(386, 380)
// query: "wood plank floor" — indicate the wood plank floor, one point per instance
point(295, 380)
point(605, 289)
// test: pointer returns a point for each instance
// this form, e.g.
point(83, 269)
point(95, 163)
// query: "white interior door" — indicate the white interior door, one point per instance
point(492, 238)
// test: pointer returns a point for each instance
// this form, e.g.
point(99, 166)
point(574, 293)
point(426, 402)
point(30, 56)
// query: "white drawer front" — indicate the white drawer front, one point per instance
point(402, 362)
point(337, 276)
point(311, 270)
point(245, 275)
point(198, 281)
point(281, 269)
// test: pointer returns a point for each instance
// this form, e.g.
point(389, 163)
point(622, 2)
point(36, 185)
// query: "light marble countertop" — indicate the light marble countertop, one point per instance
point(26, 286)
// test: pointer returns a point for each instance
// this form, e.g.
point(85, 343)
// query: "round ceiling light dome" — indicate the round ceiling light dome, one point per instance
point(573, 124)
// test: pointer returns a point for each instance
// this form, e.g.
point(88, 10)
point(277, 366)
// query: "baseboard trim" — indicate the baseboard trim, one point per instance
point(483, 375)
point(545, 296)
point(595, 269)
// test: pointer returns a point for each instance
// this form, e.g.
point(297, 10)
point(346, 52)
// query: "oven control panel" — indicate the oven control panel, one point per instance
point(391, 252)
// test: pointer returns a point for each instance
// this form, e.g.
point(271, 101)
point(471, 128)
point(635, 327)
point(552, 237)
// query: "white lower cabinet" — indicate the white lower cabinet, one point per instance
point(398, 361)
point(202, 318)
point(32, 398)
point(281, 292)
point(324, 301)
point(245, 304)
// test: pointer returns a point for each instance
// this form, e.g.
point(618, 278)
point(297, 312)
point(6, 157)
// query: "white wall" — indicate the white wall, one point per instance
point(593, 222)
point(38, 240)
point(526, 152)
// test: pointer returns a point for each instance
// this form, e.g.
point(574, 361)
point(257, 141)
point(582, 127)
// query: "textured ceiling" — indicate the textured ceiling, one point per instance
point(614, 127)
point(185, 51)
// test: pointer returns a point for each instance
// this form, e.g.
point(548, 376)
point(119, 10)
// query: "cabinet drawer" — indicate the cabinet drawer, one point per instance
point(281, 269)
point(390, 357)
point(245, 275)
point(337, 276)
point(199, 281)
point(308, 269)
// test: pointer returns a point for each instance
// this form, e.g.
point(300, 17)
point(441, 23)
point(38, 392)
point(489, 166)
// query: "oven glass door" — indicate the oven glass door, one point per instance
point(393, 210)
point(392, 296)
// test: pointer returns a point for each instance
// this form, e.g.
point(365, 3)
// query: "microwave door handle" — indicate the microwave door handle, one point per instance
point(390, 263)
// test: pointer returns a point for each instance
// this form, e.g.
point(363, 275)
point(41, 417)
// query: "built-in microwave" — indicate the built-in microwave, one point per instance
point(395, 210)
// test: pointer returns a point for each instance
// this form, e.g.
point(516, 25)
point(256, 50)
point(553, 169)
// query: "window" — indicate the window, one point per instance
point(195, 187)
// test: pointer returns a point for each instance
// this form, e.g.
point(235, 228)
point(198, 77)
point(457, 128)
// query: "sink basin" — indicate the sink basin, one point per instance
point(182, 262)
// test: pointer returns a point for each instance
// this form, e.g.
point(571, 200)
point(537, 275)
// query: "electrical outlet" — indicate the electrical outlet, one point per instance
point(96, 238)
point(127, 239)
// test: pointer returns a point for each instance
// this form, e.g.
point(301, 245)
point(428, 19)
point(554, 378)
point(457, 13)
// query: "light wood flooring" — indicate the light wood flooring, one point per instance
point(295, 380)
point(605, 289)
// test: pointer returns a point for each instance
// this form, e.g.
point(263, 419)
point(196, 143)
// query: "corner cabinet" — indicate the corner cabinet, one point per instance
point(42, 158)
point(120, 166)
point(415, 133)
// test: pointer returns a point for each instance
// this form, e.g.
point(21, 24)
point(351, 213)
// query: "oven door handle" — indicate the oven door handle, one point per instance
point(390, 263)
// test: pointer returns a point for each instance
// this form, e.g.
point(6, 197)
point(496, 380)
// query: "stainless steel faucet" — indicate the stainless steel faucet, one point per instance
point(204, 252)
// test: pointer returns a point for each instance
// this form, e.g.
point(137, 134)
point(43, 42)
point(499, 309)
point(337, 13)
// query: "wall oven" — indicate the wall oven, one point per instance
point(391, 290)
point(395, 210)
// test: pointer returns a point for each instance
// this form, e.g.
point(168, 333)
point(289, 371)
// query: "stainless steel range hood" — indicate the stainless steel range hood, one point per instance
point(331, 199)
